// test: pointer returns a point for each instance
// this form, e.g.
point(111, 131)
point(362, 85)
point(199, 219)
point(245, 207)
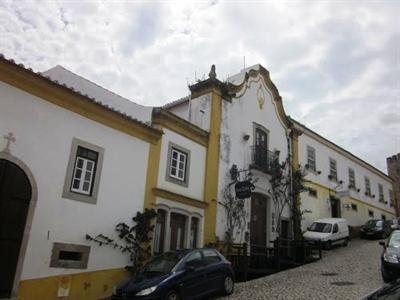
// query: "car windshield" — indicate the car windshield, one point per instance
point(394, 240)
point(163, 263)
point(321, 227)
point(374, 223)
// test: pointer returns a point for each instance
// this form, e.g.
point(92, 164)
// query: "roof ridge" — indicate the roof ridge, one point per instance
point(176, 102)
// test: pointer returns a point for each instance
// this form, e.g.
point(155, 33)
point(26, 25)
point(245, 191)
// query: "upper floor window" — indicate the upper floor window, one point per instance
point(178, 164)
point(83, 171)
point(85, 166)
point(391, 198)
point(352, 179)
point(367, 186)
point(381, 196)
point(333, 169)
point(311, 163)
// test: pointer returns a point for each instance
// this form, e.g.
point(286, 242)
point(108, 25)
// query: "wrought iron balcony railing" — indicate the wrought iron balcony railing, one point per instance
point(262, 158)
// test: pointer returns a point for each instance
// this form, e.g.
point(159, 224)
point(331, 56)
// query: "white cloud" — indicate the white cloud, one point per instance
point(334, 63)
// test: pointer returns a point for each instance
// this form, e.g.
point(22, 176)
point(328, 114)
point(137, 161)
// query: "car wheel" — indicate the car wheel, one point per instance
point(346, 242)
point(228, 285)
point(172, 295)
point(328, 245)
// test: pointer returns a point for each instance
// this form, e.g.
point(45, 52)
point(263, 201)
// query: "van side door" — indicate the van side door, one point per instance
point(335, 232)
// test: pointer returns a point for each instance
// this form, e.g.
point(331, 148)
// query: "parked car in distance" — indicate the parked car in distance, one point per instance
point(180, 275)
point(328, 231)
point(389, 291)
point(395, 224)
point(390, 264)
point(376, 229)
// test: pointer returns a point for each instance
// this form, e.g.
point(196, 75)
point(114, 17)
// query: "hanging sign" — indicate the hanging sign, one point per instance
point(243, 189)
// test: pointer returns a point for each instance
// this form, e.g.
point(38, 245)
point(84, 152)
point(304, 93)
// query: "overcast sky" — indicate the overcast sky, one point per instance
point(336, 64)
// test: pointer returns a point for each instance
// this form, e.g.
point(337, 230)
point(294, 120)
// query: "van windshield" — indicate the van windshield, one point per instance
point(321, 227)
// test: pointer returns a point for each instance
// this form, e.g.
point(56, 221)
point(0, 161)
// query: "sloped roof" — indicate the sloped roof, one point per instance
point(106, 97)
point(176, 102)
point(89, 98)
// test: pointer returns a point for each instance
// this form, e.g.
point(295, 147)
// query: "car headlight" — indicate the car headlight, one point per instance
point(391, 258)
point(146, 291)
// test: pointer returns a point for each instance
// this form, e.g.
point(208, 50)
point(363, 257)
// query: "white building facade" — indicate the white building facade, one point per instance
point(340, 184)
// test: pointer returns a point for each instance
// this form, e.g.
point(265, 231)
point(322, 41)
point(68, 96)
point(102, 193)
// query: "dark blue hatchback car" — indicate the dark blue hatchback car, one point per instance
point(183, 274)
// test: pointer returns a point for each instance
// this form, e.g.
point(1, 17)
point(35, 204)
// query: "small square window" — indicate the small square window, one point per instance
point(69, 256)
point(354, 207)
point(178, 165)
point(370, 214)
point(312, 193)
point(83, 172)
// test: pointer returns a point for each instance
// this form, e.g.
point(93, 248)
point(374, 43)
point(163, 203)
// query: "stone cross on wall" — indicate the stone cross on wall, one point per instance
point(10, 138)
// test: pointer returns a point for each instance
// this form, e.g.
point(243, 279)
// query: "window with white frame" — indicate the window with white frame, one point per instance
point(83, 171)
point(178, 165)
point(83, 176)
point(333, 169)
point(367, 186)
point(311, 163)
point(352, 179)
point(380, 190)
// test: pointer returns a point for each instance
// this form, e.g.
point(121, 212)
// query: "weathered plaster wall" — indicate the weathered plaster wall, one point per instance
point(238, 119)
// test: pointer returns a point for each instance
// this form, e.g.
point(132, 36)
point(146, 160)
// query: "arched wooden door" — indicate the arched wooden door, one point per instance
point(15, 196)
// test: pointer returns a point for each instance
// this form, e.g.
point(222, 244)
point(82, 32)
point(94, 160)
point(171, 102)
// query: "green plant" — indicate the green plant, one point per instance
point(134, 240)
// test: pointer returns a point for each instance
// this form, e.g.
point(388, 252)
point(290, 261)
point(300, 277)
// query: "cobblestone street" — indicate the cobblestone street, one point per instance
point(358, 264)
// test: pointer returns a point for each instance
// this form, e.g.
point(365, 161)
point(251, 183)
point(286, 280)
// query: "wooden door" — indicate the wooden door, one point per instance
point(335, 207)
point(15, 195)
point(258, 223)
point(178, 222)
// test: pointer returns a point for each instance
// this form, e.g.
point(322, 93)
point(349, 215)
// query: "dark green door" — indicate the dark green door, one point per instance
point(15, 195)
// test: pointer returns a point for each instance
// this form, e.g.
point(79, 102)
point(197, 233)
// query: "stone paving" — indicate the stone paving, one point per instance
point(359, 264)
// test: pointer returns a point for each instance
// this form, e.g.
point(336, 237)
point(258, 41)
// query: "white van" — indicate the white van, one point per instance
point(328, 231)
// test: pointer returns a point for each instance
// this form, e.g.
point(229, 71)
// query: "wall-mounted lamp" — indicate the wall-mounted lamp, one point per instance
point(246, 137)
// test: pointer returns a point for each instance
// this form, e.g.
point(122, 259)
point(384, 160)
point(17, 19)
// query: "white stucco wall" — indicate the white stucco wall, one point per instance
point(181, 110)
point(195, 188)
point(321, 207)
point(200, 111)
point(239, 118)
point(44, 134)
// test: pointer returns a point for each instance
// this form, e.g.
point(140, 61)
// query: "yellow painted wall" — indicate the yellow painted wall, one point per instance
point(83, 286)
point(319, 207)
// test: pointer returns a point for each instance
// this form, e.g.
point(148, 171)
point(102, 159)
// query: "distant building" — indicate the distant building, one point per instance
point(340, 184)
point(393, 166)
